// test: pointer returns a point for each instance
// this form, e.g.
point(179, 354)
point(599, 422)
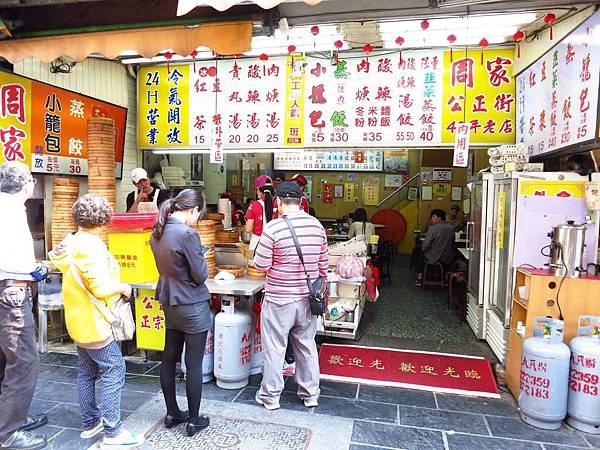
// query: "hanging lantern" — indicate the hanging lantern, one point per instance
point(367, 48)
point(400, 41)
point(451, 39)
point(483, 43)
point(168, 56)
point(518, 37)
point(548, 19)
point(264, 58)
point(338, 45)
point(424, 24)
point(193, 55)
point(291, 51)
point(314, 30)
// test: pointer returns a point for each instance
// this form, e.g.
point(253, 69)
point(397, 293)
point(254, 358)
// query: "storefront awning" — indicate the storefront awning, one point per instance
point(185, 6)
point(224, 38)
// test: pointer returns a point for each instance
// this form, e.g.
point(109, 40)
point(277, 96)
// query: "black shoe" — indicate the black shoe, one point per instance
point(171, 421)
point(33, 422)
point(197, 425)
point(23, 440)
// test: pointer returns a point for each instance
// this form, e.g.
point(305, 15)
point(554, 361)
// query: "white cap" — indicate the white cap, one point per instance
point(138, 174)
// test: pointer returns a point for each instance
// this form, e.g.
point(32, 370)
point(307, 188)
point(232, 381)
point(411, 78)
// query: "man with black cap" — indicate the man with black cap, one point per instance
point(286, 310)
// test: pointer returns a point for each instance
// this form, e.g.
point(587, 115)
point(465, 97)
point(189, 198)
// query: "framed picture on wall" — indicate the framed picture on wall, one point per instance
point(427, 193)
point(338, 191)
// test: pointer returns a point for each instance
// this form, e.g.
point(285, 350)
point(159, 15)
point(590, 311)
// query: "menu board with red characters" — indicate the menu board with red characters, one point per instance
point(558, 95)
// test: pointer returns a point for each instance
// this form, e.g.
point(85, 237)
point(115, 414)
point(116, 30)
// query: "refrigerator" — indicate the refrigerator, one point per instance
point(479, 236)
point(525, 208)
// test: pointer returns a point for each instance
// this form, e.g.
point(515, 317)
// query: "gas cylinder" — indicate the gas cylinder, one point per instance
point(544, 375)
point(208, 360)
point(233, 345)
point(584, 401)
point(256, 357)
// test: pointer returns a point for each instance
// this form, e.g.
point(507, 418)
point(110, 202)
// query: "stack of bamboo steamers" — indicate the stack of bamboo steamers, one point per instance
point(101, 160)
point(206, 230)
point(64, 193)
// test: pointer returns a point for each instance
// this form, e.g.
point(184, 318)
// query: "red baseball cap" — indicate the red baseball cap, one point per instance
point(300, 179)
point(262, 181)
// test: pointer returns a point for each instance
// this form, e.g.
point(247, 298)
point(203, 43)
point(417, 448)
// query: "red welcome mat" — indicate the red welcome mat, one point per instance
point(438, 372)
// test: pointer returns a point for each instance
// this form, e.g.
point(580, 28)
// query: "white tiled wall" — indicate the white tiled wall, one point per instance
point(105, 80)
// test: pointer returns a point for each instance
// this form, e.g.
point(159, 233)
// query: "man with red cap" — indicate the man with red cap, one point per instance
point(302, 182)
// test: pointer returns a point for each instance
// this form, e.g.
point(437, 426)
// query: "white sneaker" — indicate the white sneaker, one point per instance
point(269, 406)
point(311, 402)
point(88, 434)
point(125, 439)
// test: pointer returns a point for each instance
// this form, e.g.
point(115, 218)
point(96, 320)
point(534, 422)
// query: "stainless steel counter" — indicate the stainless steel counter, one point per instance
point(240, 286)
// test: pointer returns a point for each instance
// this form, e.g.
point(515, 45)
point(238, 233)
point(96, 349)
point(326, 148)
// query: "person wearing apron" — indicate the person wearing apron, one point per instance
point(148, 197)
point(258, 215)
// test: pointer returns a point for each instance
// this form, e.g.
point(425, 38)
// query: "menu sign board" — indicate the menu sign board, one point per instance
point(46, 127)
point(379, 101)
point(558, 95)
point(359, 160)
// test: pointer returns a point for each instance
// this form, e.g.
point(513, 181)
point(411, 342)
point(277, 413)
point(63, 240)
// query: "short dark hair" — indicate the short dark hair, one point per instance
point(360, 215)
point(438, 212)
point(455, 208)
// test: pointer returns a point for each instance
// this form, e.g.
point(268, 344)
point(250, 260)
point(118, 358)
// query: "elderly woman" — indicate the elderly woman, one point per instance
point(89, 271)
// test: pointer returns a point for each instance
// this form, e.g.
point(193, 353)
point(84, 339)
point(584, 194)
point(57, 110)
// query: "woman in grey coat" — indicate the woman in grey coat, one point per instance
point(185, 298)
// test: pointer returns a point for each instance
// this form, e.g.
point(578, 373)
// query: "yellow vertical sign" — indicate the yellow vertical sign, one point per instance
point(500, 219)
point(348, 192)
point(293, 135)
point(15, 119)
point(149, 321)
point(163, 106)
point(479, 89)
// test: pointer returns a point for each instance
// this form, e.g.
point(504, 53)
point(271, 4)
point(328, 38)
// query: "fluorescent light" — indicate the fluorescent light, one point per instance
point(183, 151)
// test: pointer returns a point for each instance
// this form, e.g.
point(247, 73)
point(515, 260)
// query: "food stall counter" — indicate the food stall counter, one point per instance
point(240, 286)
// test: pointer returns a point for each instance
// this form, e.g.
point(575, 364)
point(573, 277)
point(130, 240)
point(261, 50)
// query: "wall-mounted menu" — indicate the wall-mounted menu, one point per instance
point(360, 160)
point(558, 95)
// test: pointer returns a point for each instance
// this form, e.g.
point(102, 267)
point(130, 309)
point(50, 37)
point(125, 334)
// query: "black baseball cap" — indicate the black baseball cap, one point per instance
point(289, 189)
point(278, 175)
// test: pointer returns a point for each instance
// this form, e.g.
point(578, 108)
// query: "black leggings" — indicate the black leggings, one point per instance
point(194, 353)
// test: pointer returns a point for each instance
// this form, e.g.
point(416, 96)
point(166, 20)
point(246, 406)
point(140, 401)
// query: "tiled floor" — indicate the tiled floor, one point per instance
point(384, 418)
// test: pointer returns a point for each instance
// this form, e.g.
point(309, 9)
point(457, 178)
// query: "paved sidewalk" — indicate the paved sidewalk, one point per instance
point(381, 417)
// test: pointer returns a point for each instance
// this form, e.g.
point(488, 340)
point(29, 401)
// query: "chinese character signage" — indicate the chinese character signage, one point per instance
point(480, 95)
point(558, 95)
point(362, 160)
point(149, 321)
point(45, 126)
point(380, 101)
point(461, 146)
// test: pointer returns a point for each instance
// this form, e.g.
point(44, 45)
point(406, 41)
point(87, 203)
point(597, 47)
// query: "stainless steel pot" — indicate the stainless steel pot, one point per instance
point(566, 249)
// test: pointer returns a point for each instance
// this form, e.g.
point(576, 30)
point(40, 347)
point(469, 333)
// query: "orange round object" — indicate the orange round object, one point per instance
point(395, 224)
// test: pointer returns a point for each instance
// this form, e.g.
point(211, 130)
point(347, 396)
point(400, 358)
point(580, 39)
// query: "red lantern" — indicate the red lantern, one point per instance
point(400, 41)
point(193, 55)
point(518, 37)
point(314, 30)
point(168, 56)
point(548, 19)
point(451, 39)
point(367, 48)
point(263, 57)
point(338, 44)
point(291, 49)
point(483, 43)
point(424, 24)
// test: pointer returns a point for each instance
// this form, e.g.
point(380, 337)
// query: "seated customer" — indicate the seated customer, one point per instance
point(361, 227)
point(438, 244)
point(455, 218)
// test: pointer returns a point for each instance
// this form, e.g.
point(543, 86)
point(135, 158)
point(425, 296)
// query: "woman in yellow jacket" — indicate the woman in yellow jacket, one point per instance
point(90, 270)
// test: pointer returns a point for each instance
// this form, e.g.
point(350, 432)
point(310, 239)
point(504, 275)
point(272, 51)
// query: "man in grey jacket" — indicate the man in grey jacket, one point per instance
point(438, 246)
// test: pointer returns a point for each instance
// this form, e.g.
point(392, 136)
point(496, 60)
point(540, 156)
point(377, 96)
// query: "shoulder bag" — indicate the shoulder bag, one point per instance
point(316, 295)
point(119, 316)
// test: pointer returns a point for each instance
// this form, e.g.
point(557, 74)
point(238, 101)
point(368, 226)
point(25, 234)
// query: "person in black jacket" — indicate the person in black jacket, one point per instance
point(185, 298)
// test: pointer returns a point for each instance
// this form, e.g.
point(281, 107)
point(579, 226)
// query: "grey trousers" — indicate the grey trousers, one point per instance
point(276, 323)
point(19, 360)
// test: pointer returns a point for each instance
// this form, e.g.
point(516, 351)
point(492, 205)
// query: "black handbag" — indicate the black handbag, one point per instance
point(316, 294)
